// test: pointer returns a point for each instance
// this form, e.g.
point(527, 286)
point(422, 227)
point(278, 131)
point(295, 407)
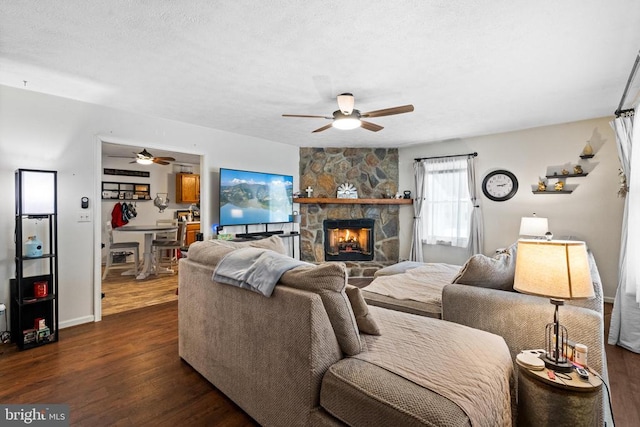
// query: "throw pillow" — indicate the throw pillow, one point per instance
point(365, 321)
point(495, 272)
point(329, 280)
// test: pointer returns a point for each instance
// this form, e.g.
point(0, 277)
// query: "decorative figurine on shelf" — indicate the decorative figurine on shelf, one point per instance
point(559, 186)
point(308, 190)
point(577, 169)
point(542, 186)
point(407, 194)
point(587, 150)
point(347, 191)
point(565, 172)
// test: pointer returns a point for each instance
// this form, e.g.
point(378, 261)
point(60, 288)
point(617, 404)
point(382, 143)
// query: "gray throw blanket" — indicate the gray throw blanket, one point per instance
point(255, 269)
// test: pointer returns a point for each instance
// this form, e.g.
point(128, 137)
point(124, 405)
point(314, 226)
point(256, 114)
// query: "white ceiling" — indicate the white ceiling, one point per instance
point(469, 67)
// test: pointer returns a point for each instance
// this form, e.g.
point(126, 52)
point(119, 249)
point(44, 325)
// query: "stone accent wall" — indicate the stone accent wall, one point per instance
point(374, 173)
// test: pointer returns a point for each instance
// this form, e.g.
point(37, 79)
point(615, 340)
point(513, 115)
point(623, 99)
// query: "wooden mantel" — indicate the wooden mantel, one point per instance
point(329, 201)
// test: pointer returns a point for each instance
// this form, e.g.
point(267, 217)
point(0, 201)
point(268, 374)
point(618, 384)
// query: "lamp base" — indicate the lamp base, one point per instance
point(558, 366)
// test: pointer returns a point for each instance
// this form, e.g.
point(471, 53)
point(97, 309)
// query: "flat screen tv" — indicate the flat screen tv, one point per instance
point(255, 197)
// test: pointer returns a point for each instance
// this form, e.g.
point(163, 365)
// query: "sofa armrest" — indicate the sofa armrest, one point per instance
point(521, 319)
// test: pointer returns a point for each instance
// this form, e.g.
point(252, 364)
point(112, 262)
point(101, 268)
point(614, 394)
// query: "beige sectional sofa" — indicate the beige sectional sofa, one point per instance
point(298, 357)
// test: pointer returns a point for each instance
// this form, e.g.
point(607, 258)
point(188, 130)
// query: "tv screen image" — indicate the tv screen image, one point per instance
point(255, 197)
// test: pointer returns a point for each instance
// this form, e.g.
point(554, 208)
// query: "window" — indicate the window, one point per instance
point(447, 209)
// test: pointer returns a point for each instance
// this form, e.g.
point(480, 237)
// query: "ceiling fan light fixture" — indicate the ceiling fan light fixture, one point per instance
point(347, 123)
point(346, 102)
point(144, 161)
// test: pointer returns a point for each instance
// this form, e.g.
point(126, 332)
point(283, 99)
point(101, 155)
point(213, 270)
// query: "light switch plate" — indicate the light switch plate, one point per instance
point(84, 216)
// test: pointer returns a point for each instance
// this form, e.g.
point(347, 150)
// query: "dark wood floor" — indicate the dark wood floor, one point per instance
point(126, 371)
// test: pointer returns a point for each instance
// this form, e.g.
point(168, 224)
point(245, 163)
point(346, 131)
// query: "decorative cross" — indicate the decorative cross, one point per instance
point(309, 190)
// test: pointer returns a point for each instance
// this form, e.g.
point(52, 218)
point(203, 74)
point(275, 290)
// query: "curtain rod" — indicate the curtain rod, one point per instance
point(444, 157)
point(619, 111)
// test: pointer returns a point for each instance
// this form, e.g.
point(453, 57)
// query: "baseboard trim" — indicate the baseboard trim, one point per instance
point(76, 321)
point(608, 299)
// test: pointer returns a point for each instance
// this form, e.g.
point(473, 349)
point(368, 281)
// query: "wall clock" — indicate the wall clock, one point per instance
point(500, 185)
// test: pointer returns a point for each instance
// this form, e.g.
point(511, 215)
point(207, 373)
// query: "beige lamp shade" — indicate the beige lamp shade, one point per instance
point(534, 226)
point(554, 269)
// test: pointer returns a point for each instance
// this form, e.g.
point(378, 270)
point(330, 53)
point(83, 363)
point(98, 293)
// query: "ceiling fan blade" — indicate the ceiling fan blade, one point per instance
point(325, 127)
point(169, 159)
point(160, 162)
point(306, 116)
point(370, 126)
point(389, 111)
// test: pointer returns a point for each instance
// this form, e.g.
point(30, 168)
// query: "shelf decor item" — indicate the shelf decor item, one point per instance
point(577, 169)
point(587, 150)
point(33, 247)
point(347, 191)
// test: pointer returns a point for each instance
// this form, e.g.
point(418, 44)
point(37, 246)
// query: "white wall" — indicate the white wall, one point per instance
point(39, 131)
point(592, 212)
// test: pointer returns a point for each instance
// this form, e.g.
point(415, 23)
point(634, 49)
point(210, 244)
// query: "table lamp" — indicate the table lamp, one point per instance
point(532, 226)
point(559, 270)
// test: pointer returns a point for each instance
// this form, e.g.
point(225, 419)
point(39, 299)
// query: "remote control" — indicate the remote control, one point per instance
point(582, 373)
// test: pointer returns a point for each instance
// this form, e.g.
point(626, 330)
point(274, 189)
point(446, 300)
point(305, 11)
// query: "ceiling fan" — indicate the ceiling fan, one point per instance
point(145, 158)
point(347, 117)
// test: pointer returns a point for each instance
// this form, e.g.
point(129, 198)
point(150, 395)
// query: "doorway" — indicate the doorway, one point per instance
point(117, 160)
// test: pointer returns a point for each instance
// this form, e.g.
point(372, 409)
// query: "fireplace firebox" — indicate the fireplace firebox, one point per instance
point(348, 239)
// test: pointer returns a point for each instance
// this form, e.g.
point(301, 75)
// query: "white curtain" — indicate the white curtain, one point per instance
point(476, 234)
point(419, 173)
point(447, 209)
point(625, 318)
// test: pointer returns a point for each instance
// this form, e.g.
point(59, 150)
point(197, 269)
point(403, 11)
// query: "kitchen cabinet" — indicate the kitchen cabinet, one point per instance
point(187, 188)
point(193, 228)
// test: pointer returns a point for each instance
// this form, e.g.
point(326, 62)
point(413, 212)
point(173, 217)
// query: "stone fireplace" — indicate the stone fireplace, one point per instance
point(374, 173)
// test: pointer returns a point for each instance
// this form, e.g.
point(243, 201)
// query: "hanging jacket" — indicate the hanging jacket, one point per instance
point(117, 219)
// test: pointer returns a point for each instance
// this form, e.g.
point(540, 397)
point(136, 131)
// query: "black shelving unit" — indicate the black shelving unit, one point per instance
point(34, 313)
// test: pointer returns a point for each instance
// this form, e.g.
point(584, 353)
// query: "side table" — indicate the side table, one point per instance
point(558, 402)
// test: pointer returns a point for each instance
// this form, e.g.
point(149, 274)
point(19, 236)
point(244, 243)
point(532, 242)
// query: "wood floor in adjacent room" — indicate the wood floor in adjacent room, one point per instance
point(126, 371)
point(124, 293)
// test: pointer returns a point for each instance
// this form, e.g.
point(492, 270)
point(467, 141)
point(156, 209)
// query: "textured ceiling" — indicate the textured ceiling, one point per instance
point(468, 67)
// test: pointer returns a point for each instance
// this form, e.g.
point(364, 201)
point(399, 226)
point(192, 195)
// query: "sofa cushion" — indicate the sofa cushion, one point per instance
point(495, 272)
point(360, 393)
point(364, 319)
point(398, 268)
point(329, 280)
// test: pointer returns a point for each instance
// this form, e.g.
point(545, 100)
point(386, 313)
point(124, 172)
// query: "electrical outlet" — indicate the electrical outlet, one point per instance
point(84, 216)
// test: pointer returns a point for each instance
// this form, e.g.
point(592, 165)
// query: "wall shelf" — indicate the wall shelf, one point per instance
point(125, 191)
point(336, 201)
point(554, 192)
point(571, 175)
